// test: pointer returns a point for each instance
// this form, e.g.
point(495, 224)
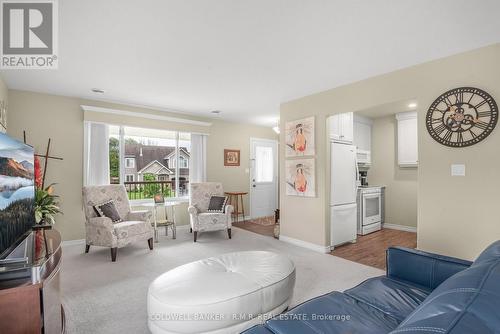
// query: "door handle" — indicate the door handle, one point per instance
point(254, 186)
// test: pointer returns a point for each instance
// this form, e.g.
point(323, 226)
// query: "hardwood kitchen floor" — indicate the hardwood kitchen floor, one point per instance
point(370, 249)
point(267, 230)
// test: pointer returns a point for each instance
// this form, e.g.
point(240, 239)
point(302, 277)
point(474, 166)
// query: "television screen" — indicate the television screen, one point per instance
point(17, 191)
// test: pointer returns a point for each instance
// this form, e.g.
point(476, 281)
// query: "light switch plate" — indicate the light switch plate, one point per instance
point(457, 170)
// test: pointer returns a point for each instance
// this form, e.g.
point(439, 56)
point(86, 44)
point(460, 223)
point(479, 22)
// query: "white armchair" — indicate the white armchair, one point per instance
point(100, 231)
point(202, 220)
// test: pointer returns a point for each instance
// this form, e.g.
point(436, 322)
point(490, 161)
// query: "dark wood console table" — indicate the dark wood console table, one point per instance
point(33, 304)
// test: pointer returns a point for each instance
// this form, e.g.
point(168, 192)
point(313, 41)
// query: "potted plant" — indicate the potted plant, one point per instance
point(46, 203)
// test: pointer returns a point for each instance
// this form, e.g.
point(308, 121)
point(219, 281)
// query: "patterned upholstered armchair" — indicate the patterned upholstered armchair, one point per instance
point(201, 219)
point(100, 231)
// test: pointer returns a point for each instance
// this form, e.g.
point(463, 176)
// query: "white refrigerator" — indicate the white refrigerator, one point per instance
point(343, 188)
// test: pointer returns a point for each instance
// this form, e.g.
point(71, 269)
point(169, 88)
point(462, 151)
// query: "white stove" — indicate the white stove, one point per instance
point(370, 209)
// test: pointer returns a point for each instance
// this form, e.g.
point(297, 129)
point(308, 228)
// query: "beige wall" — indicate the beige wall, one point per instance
point(61, 118)
point(401, 183)
point(233, 136)
point(456, 215)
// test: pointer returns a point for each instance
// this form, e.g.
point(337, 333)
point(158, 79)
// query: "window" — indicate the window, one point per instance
point(183, 162)
point(264, 164)
point(152, 153)
point(129, 162)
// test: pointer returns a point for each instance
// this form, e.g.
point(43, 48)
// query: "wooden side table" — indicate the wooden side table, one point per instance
point(234, 199)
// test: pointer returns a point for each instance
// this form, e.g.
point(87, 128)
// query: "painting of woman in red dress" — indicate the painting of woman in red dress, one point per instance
point(299, 137)
point(300, 178)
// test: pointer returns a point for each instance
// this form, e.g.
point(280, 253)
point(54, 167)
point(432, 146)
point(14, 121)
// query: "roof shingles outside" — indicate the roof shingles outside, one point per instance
point(151, 153)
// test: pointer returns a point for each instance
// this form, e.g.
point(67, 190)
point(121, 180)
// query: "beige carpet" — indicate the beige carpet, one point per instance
point(101, 297)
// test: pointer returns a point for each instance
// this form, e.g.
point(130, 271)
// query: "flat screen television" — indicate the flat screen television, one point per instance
point(17, 192)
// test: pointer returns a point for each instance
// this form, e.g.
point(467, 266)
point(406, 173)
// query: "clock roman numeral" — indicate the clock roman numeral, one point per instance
point(471, 97)
point(483, 102)
point(460, 137)
point(437, 120)
point(447, 135)
point(447, 101)
point(439, 130)
point(482, 125)
point(473, 135)
point(438, 110)
point(484, 114)
point(459, 96)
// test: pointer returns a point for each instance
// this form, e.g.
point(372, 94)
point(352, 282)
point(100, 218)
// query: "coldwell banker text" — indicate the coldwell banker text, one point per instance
point(29, 34)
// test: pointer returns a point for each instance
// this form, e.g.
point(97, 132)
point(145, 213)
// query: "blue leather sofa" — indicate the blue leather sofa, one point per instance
point(421, 293)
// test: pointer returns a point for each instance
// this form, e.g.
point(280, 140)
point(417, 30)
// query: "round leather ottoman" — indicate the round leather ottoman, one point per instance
point(224, 294)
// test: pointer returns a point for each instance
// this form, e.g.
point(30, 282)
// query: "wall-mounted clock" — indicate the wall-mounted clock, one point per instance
point(462, 117)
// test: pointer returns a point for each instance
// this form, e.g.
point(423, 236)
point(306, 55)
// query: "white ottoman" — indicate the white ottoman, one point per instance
point(224, 294)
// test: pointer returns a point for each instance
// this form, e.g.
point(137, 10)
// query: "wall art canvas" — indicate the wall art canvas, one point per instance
point(232, 158)
point(300, 177)
point(3, 116)
point(299, 137)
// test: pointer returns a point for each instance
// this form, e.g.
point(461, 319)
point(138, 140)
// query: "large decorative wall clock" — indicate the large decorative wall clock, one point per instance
point(462, 117)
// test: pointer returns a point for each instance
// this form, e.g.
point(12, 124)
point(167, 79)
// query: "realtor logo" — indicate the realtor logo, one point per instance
point(29, 34)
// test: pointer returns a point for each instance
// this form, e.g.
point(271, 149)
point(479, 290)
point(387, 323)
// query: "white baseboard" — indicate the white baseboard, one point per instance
point(73, 242)
point(305, 244)
point(400, 227)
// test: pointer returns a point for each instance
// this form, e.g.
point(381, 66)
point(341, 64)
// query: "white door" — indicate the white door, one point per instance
point(343, 174)
point(263, 177)
point(343, 224)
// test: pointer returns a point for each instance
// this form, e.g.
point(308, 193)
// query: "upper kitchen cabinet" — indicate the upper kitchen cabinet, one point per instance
point(342, 127)
point(363, 139)
point(407, 139)
point(363, 133)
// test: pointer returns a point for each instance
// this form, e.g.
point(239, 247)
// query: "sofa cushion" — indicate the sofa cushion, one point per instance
point(332, 313)
point(468, 302)
point(217, 204)
point(395, 298)
point(108, 209)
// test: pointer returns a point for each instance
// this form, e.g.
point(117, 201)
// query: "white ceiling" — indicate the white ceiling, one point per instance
point(246, 57)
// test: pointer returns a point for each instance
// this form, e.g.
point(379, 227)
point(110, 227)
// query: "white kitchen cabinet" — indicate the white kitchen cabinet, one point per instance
point(363, 133)
point(407, 139)
point(342, 127)
point(363, 140)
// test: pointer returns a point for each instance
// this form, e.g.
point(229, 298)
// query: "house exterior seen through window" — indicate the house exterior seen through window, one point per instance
point(149, 165)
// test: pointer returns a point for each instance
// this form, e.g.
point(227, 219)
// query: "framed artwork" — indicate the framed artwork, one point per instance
point(232, 158)
point(300, 177)
point(3, 116)
point(299, 137)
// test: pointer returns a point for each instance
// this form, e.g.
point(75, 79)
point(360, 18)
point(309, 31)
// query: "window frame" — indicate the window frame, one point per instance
point(127, 160)
point(122, 165)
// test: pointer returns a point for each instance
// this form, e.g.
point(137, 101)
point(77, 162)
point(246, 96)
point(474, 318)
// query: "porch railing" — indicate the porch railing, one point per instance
point(148, 189)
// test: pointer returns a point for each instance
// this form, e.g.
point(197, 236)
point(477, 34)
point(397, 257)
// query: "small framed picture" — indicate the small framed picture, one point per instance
point(231, 157)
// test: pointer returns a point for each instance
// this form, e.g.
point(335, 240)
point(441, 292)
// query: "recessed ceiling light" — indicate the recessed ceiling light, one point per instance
point(97, 90)
point(215, 112)
point(412, 105)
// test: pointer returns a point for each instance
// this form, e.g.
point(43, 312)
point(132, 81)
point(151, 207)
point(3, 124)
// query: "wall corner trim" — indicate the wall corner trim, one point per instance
point(400, 227)
point(305, 244)
point(144, 115)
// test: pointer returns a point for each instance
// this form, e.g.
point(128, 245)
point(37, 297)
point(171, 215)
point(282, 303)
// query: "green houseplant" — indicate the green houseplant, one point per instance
point(46, 205)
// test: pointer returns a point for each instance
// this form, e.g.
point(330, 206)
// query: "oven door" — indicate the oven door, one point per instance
point(372, 208)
